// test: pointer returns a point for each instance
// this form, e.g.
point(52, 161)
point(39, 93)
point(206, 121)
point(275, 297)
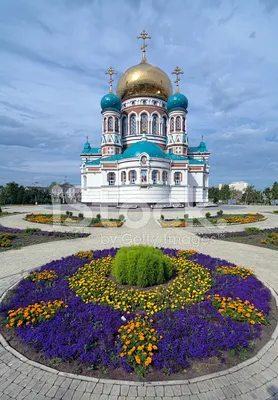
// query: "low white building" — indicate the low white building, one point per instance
point(239, 186)
point(144, 155)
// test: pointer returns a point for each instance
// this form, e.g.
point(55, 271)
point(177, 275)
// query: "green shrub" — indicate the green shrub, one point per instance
point(67, 213)
point(141, 266)
point(121, 217)
point(208, 215)
point(275, 212)
point(252, 230)
point(98, 217)
point(220, 212)
point(80, 215)
point(0, 209)
point(162, 217)
point(186, 216)
point(31, 230)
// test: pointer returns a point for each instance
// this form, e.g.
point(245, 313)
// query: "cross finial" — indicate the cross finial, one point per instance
point(202, 138)
point(144, 35)
point(87, 138)
point(177, 71)
point(110, 72)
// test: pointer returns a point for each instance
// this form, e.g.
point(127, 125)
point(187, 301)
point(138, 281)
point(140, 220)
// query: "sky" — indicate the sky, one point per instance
point(53, 57)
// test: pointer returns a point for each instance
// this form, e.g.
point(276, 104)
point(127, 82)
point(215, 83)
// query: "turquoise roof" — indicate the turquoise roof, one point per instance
point(111, 102)
point(202, 148)
point(90, 150)
point(144, 146)
point(177, 101)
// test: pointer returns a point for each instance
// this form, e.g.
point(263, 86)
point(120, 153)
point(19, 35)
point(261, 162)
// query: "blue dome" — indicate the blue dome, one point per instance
point(111, 102)
point(177, 101)
point(144, 146)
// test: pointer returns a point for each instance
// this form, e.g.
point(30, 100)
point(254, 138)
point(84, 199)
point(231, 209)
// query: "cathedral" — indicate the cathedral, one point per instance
point(145, 156)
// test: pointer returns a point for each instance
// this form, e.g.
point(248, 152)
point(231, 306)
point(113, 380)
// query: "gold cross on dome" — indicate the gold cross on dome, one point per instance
point(144, 35)
point(110, 72)
point(177, 71)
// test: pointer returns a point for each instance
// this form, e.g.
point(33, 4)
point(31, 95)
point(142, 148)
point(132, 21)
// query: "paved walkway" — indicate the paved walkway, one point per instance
point(24, 379)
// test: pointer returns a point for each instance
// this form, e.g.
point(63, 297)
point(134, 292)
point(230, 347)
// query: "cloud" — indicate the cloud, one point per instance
point(53, 58)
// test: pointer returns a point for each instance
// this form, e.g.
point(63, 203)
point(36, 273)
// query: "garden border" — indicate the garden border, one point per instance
point(237, 367)
point(213, 226)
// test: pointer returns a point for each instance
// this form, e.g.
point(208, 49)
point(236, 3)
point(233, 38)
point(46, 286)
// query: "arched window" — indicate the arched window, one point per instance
point(116, 124)
point(124, 126)
point(132, 177)
point(111, 178)
point(144, 123)
point(155, 177)
point(133, 125)
point(172, 124)
point(164, 126)
point(110, 124)
point(178, 123)
point(84, 181)
point(155, 125)
point(183, 124)
point(177, 178)
point(123, 177)
point(164, 177)
point(105, 124)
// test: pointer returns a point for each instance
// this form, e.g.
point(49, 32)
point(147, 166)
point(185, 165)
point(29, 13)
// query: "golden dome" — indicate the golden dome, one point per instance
point(144, 79)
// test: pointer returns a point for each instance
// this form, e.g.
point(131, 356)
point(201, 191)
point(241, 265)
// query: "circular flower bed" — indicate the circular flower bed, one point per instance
point(72, 309)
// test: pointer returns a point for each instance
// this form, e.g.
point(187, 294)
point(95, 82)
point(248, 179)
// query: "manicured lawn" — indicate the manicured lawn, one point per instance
point(11, 238)
point(72, 315)
point(256, 237)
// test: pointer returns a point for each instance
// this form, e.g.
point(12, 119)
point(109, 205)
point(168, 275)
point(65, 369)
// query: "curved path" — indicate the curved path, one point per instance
point(24, 379)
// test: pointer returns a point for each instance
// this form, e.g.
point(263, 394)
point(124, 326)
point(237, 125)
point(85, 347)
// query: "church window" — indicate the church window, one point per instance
point(164, 177)
point(172, 124)
point(183, 124)
point(155, 125)
point(105, 124)
point(110, 124)
point(84, 181)
point(144, 123)
point(123, 177)
point(111, 178)
point(164, 126)
point(144, 175)
point(132, 177)
point(124, 126)
point(110, 150)
point(155, 177)
point(133, 125)
point(178, 123)
point(117, 124)
point(177, 178)
point(178, 150)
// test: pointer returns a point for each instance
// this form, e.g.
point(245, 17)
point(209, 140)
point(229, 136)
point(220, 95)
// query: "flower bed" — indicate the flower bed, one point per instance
point(254, 236)
point(69, 219)
point(212, 220)
point(11, 238)
point(71, 310)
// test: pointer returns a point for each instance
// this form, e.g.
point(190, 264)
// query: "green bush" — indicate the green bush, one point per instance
point(80, 215)
point(0, 209)
point(275, 212)
point(67, 213)
point(186, 216)
point(98, 217)
point(220, 212)
point(141, 266)
point(208, 215)
point(31, 230)
point(162, 217)
point(121, 217)
point(252, 230)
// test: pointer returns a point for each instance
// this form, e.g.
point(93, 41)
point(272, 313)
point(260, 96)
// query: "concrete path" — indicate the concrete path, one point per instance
point(24, 379)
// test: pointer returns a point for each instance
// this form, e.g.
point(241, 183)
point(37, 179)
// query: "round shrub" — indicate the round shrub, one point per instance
point(141, 266)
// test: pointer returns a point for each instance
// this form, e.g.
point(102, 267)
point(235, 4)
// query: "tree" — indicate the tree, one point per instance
point(225, 193)
point(213, 194)
point(267, 194)
point(274, 191)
